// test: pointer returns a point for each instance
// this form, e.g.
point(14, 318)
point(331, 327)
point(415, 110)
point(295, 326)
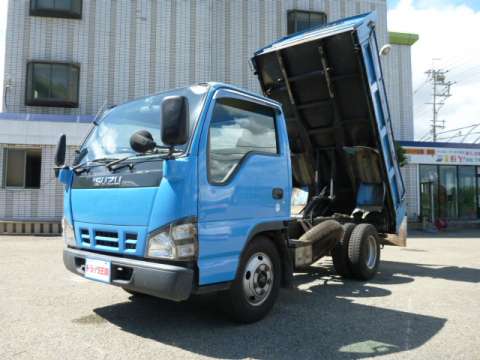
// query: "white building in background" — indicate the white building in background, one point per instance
point(64, 59)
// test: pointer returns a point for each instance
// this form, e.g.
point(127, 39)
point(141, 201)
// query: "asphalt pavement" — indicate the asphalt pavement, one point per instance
point(424, 304)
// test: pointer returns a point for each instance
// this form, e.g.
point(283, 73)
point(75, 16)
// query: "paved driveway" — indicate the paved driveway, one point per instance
point(425, 303)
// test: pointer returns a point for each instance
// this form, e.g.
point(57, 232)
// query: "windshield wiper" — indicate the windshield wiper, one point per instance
point(111, 166)
point(83, 167)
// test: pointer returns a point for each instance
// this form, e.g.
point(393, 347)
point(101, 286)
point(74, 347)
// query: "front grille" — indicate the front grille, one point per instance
point(130, 241)
point(85, 235)
point(109, 240)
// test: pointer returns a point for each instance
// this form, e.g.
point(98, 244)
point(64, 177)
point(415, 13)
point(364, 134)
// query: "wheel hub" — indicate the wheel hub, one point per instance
point(262, 279)
point(258, 279)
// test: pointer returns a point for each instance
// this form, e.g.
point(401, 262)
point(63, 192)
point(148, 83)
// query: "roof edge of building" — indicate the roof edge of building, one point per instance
point(438, 144)
point(18, 116)
point(400, 38)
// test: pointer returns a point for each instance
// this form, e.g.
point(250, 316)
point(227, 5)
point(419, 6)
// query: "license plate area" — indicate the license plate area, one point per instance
point(99, 270)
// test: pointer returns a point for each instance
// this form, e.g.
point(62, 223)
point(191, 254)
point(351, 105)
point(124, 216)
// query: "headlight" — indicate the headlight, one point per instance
point(177, 241)
point(68, 233)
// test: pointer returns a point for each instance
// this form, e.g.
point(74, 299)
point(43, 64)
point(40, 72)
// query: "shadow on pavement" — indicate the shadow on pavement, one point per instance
point(318, 319)
point(393, 269)
point(472, 233)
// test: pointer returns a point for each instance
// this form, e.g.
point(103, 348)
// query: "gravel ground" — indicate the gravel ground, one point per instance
point(425, 303)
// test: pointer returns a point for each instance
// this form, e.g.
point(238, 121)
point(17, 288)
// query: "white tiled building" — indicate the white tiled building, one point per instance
point(122, 49)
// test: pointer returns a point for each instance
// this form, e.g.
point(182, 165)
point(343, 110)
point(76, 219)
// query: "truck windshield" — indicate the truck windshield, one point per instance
point(110, 139)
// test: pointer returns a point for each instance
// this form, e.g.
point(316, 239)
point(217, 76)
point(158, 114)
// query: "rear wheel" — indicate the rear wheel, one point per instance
point(256, 287)
point(340, 252)
point(364, 251)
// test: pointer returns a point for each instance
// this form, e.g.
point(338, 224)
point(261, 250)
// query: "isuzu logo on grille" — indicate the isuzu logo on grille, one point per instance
point(107, 181)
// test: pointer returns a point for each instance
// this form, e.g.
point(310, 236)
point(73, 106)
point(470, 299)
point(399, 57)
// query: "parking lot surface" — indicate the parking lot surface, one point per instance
point(425, 303)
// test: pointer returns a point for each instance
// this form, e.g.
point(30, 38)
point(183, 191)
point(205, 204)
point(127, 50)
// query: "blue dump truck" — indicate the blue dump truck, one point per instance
point(190, 191)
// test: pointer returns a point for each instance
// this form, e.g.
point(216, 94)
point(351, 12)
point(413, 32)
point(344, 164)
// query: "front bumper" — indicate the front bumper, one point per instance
point(160, 280)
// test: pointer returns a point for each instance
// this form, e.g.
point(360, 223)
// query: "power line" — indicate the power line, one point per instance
point(469, 133)
point(448, 138)
point(458, 60)
point(425, 136)
point(457, 129)
point(419, 87)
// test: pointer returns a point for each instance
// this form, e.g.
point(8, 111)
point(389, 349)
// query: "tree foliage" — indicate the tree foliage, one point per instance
point(401, 156)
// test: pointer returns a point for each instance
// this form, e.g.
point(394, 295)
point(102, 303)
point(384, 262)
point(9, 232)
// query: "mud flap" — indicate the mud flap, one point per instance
point(401, 238)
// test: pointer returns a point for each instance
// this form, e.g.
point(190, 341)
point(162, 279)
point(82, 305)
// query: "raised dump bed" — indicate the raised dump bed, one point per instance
point(330, 83)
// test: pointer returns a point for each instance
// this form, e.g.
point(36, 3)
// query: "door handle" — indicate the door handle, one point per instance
point(277, 193)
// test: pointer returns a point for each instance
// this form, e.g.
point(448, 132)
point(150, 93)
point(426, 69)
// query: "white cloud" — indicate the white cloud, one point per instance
point(449, 32)
point(3, 30)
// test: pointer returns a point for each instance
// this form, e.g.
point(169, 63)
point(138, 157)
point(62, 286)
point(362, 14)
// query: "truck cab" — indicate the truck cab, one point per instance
point(174, 218)
point(190, 191)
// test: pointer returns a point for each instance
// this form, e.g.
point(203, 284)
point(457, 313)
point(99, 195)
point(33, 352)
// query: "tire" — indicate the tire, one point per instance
point(364, 252)
point(256, 286)
point(341, 263)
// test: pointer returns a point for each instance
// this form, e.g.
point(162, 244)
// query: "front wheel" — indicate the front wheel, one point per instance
point(364, 251)
point(257, 284)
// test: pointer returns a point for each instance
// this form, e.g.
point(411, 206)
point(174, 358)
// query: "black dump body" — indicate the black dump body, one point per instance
point(323, 86)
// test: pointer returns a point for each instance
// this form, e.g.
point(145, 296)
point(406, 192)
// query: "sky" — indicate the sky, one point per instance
point(448, 31)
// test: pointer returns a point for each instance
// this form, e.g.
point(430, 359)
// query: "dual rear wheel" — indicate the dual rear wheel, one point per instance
point(357, 254)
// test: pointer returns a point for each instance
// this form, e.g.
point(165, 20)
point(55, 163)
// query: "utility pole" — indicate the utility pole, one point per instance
point(441, 91)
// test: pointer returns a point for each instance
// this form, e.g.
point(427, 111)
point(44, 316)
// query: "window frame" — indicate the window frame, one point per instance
point(5, 168)
point(460, 190)
point(29, 101)
point(246, 156)
point(293, 12)
point(437, 193)
point(55, 13)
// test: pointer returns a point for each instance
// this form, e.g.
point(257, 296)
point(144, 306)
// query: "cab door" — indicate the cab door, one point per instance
point(244, 179)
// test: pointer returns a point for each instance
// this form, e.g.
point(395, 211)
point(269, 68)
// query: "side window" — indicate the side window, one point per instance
point(238, 128)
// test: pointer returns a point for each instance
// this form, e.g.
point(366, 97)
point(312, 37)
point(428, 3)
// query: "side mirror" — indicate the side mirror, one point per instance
point(61, 151)
point(174, 120)
point(142, 141)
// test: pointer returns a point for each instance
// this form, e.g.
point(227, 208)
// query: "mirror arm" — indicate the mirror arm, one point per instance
point(171, 151)
point(56, 169)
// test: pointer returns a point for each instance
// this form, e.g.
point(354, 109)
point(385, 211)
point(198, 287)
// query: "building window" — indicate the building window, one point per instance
point(429, 192)
point(238, 128)
point(447, 192)
point(467, 207)
point(299, 20)
point(22, 168)
point(71, 9)
point(52, 84)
